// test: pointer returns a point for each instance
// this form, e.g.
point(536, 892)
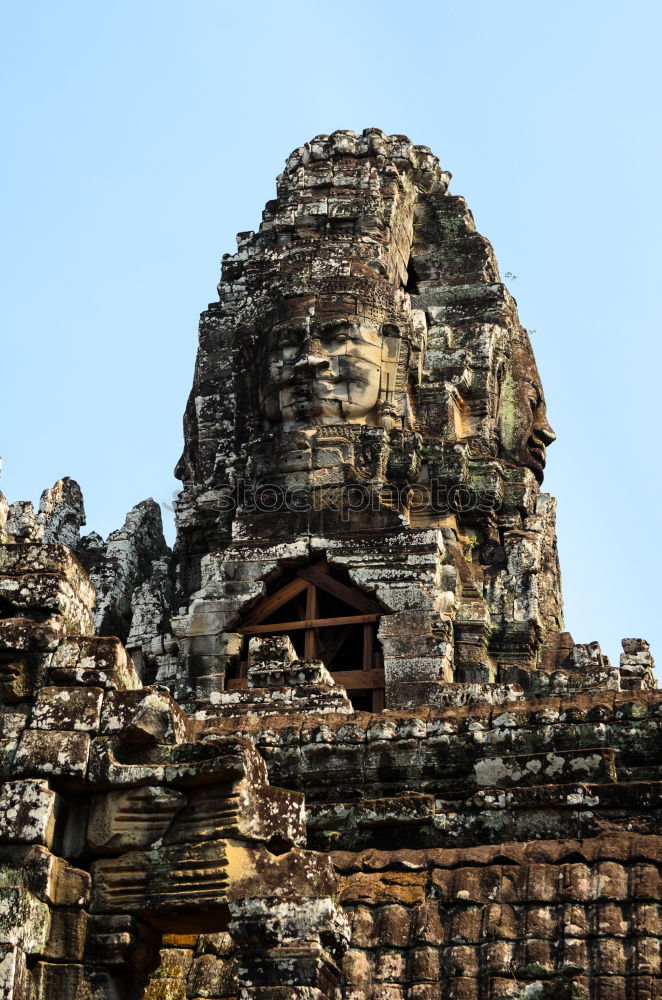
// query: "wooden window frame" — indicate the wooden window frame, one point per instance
point(306, 586)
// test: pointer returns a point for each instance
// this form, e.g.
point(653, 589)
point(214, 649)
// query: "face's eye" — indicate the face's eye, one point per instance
point(286, 338)
point(337, 334)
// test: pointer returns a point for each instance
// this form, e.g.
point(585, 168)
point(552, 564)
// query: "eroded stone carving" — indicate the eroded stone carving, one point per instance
point(331, 358)
point(524, 431)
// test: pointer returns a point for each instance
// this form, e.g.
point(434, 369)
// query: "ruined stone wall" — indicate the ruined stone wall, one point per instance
point(118, 824)
point(563, 919)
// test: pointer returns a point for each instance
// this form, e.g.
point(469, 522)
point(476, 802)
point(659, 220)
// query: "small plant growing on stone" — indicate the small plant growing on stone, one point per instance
point(471, 543)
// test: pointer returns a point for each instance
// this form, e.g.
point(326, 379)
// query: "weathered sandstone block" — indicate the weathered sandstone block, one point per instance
point(28, 812)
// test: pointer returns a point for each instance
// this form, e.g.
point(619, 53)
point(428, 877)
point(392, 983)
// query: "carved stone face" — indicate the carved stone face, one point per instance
point(524, 428)
point(17, 678)
point(321, 370)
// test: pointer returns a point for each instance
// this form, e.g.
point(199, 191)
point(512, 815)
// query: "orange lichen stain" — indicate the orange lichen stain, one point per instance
point(165, 989)
point(180, 940)
point(240, 862)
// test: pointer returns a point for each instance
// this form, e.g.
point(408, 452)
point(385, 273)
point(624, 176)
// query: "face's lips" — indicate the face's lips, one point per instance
point(307, 377)
point(537, 455)
point(301, 380)
point(310, 386)
point(538, 451)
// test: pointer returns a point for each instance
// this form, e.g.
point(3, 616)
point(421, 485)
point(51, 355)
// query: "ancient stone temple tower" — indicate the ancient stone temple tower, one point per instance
point(366, 406)
point(337, 744)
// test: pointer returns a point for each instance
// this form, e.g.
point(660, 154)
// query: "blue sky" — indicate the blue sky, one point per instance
point(141, 136)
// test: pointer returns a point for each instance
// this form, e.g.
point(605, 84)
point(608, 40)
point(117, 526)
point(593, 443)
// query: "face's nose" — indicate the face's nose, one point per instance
point(311, 357)
point(543, 431)
point(310, 362)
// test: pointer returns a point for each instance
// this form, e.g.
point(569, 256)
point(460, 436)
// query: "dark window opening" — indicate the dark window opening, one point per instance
point(326, 618)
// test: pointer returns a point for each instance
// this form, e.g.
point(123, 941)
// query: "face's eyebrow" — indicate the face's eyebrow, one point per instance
point(277, 333)
point(332, 324)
